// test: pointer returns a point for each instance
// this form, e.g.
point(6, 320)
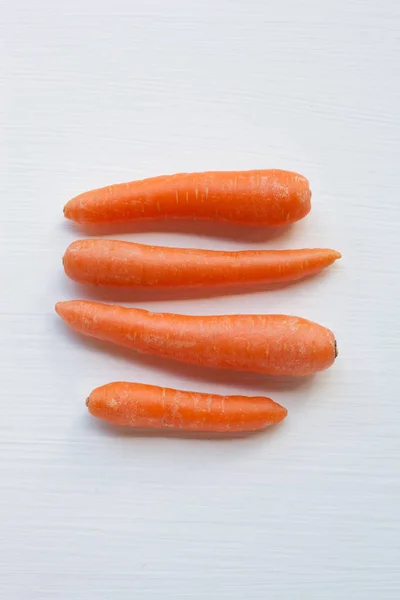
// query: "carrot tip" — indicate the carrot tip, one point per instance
point(336, 349)
point(87, 401)
point(58, 308)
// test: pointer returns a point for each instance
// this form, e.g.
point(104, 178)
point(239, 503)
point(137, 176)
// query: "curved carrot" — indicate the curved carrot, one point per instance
point(262, 198)
point(111, 262)
point(273, 344)
point(139, 405)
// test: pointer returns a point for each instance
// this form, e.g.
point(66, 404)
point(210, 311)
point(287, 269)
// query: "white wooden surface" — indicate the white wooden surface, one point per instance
point(97, 91)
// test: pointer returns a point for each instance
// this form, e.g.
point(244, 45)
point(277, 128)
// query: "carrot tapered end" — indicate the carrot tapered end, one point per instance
point(274, 413)
point(280, 413)
point(69, 308)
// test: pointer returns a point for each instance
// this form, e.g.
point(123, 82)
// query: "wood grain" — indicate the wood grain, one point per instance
point(99, 92)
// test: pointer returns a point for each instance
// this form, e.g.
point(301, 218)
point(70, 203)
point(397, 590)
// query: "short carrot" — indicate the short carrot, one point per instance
point(272, 344)
point(126, 264)
point(257, 198)
point(149, 406)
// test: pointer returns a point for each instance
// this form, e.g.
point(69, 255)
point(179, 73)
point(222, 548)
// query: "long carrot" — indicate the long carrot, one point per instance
point(273, 344)
point(139, 405)
point(126, 264)
point(259, 198)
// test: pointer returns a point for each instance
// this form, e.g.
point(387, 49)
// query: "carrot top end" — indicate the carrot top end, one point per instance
point(67, 212)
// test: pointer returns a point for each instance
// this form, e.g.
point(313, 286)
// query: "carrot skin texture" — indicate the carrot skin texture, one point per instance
point(149, 406)
point(127, 264)
point(260, 198)
point(271, 344)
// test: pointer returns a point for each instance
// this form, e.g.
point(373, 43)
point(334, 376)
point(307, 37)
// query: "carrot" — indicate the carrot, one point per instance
point(110, 262)
point(262, 198)
point(273, 344)
point(139, 405)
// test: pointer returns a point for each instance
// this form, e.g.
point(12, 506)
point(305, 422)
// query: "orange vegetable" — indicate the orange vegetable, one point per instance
point(139, 405)
point(110, 262)
point(262, 198)
point(273, 344)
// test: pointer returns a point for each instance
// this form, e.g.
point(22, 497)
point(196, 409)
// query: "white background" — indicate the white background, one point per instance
point(96, 92)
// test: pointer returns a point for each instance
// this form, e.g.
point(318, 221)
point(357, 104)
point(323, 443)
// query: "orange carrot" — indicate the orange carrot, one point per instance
point(262, 198)
point(139, 405)
point(110, 262)
point(273, 344)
